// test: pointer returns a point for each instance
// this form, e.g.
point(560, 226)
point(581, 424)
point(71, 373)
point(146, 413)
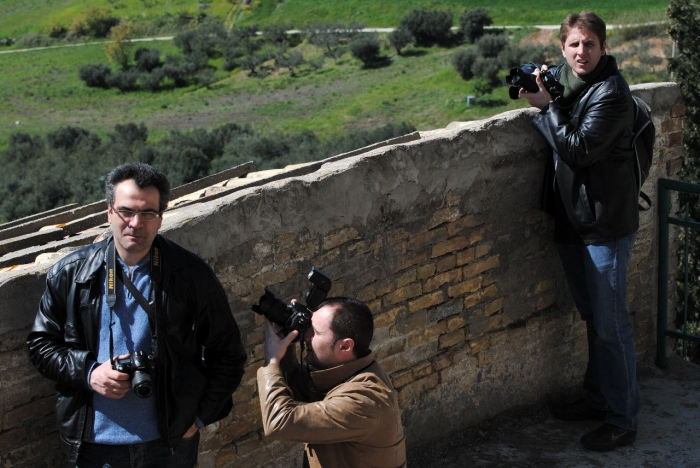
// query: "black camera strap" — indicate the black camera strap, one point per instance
point(114, 271)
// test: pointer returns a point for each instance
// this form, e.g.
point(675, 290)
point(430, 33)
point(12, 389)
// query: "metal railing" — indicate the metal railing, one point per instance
point(665, 187)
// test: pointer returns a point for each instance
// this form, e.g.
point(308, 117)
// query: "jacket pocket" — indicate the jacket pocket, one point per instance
point(586, 206)
point(188, 387)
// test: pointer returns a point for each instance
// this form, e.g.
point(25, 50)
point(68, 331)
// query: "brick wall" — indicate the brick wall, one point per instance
point(444, 239)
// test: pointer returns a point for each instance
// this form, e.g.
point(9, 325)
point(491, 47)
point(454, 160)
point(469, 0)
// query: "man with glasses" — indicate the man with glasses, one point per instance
point(136, 311)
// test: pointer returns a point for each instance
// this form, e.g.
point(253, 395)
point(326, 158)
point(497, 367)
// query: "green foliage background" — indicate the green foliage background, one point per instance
point(41, 93)
point(19, 17)
point(685, 24)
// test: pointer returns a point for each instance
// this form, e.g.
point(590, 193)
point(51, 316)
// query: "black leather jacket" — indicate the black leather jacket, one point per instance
point(595, 173)
point(197, 319)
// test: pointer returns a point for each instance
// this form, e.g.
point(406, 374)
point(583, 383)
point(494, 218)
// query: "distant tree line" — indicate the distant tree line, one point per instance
point(69, 164)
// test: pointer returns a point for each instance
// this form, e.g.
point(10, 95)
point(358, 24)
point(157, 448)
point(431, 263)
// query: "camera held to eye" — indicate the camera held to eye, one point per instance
point(140, 367)
point(295, 316)
point(523, 78)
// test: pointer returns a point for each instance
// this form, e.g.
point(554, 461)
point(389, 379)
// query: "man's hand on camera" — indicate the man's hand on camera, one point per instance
point(540, 99)
point(276, 346)
point(109, 382)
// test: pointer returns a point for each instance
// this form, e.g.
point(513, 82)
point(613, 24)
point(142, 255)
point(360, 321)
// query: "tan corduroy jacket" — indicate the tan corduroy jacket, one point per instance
point(353, 419)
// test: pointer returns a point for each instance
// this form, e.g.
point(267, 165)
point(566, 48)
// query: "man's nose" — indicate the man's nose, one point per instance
point(136, 221)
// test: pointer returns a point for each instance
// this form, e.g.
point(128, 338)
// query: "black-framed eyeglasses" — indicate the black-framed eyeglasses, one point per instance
point(146, 216)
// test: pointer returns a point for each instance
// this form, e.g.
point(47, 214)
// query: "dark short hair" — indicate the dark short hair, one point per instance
point(144, 175)
point(351, 319)
point(585, 20)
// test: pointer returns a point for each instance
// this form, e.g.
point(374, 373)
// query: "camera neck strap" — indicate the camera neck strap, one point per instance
point(150, 306)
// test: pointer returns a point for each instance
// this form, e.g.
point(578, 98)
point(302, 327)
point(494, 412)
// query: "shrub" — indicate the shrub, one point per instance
point(276, 33)
point(513, 55)
point(147, 60)
point(119, 49)
point(324, 35)
point(491, 45)
point(482, 87)
point(95, 75)
point(177, 70)
point(94, 22)
point(400, 38)
point(463, 60)
point(365, 48)
point(23, 148)
point(151, 81)
point(317, 62)
point(124, 80)
point(34, 40)
point(129, 135)
point(291, 61)
point(472, 23)
point(428, 27)
point(206, 40)
point(487, 68)
point(67, 138)
point(57, 31)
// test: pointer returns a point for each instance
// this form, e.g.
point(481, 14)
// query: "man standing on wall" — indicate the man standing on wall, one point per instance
point(591, 190)
point(136, 310)
point(353, 419)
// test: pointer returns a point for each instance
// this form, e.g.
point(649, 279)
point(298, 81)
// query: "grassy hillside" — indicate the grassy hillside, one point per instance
point(504, 12)
point(19, 17)
point(41, 91)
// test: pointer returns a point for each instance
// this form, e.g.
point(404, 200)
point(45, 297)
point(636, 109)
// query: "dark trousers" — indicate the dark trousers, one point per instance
point(154, 454)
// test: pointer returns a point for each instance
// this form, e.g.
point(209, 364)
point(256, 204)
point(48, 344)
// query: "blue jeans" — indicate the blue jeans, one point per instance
point(597, 276)
point(155, 454)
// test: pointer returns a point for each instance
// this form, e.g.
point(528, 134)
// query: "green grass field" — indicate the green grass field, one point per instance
point(504, 12)
point(18, 17)
point(41, 91)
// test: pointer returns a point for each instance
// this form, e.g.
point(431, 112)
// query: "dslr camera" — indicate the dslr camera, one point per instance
point(523, 78)
point(140, 367)
point(295, 316)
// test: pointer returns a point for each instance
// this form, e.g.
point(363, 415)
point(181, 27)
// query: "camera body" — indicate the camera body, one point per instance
point(140, 367)
point(295, 316)
point(523, 78)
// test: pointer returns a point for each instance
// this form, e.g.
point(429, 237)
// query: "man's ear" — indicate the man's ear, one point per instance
point(347, 345)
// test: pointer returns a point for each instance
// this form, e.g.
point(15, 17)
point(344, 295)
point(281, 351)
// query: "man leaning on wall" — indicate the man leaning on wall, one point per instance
point(591, 190)
point(353, 417)
point(138, 335)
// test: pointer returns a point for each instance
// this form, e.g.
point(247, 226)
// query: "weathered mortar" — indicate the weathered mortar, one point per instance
point(443, 238)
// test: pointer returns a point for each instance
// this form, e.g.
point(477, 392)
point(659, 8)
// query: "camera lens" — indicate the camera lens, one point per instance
point(141, 383)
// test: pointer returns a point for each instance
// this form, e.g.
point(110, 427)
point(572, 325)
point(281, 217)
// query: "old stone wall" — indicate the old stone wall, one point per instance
point(443, 237)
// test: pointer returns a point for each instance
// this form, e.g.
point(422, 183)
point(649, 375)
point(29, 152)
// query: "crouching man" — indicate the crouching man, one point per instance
point(353, 417)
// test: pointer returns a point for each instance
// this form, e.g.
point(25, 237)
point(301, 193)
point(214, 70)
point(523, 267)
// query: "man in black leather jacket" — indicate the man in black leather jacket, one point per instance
point(591, 190)
point(178, 314)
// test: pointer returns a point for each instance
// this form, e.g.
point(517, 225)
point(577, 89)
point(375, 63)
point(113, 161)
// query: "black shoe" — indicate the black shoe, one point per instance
point(577, 411)
point(607, 437)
